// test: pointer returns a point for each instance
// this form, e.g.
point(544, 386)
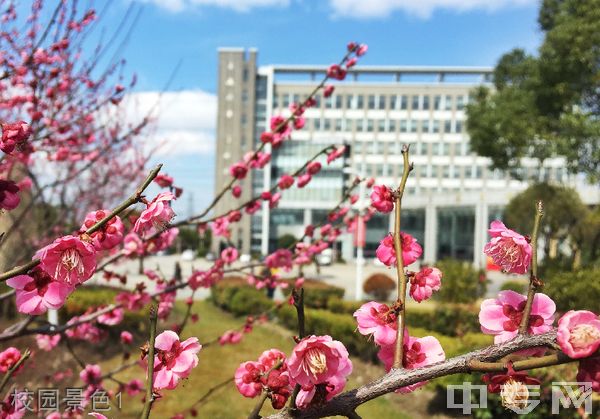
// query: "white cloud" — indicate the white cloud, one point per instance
point(184, 122)
point(363, 9)
point(237, 5)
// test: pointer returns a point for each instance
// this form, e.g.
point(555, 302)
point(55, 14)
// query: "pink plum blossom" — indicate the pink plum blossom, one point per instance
point(589, 372)
point(13, 135)
point(229, 255)
point(382, 198)
point(281, 258)
point(47, 342)
point(379, 320)
point(336, 154)
point(91, 374)
point(230, 337)
point(579, 333)
point(133, 300)
point(411, 250)
point(424, 283)
point(236, 191)
point(134, 387)
point(418, 352)
point(328, 90)
point(9, 195)
point(313, 168)
point(163, 180)
point(126, 337)
point(37, 292)
point(110, 235)
point(112, 317)
point(509, 249)
point(285, 182)
point(174, 359)
point(8, 358)
point(318, 361)
point(248, 378)
point(502, 316)
point(303, 180)
point(68, 260)
point(157, 215)
point(133, 245)
point(238, 170)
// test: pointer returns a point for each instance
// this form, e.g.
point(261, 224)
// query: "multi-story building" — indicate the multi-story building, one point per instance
point(451, 195)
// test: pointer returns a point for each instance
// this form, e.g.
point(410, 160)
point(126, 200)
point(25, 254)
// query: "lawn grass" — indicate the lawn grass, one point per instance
point(218, 363)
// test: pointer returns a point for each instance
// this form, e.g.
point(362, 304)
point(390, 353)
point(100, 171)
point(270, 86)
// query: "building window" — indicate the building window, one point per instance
point(285, 102)
point(403, 125)
point(448, 103)
point(381, 125)
point(425, 126)
point(358, 147)
point(329, 102)
point(350, 102)
point(445, 149)
point(403, 102)
point(460, 103)
point(360, 125)
point(436, 126)
point(447, 127)
point(413, 125)
point(437, 102)
point(318, 124)
point(338, 124)
point(349, 124)
point(370, 125)
point(415, 103)
point(326, 124)
point(459, 126)
point(338, 102)
point(381, 102)
point(426, 103)
point(360, 102)
point(371, 103)
point(393, 102)
point(392, 125)
point(435, 149)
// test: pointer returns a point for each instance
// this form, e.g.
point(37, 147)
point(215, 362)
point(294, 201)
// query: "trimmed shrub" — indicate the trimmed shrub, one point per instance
point(379, 286)
point(337, 305)
point(579, 289)
point(233, 294)
point(460, 282)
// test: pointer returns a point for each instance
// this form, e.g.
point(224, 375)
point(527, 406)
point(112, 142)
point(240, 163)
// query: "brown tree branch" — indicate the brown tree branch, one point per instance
point(533, 279)
point(402, 279)
point(347, 402)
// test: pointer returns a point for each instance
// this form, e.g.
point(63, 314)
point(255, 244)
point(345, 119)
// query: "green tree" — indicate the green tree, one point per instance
point(564, 213)
point(285, 241)
point(547, 104)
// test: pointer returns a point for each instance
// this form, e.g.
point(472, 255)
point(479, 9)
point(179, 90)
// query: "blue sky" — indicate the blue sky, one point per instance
point(400, 32)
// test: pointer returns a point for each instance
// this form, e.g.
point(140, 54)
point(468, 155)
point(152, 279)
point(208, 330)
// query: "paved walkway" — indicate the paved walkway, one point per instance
point(340, 275)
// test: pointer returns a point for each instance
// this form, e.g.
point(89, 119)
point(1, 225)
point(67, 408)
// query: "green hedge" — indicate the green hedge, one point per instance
point(447, 319)
point(317, 294)
point(233, 294)
point(574, 290)
point(96, 296)
point(253, 301)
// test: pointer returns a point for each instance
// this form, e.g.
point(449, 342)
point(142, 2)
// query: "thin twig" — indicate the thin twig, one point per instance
point(149, 381)
point(255, 414)
point(12, 369)
point(124, 205)
point(533, 279)
point(402, 279)
point(298, 296)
